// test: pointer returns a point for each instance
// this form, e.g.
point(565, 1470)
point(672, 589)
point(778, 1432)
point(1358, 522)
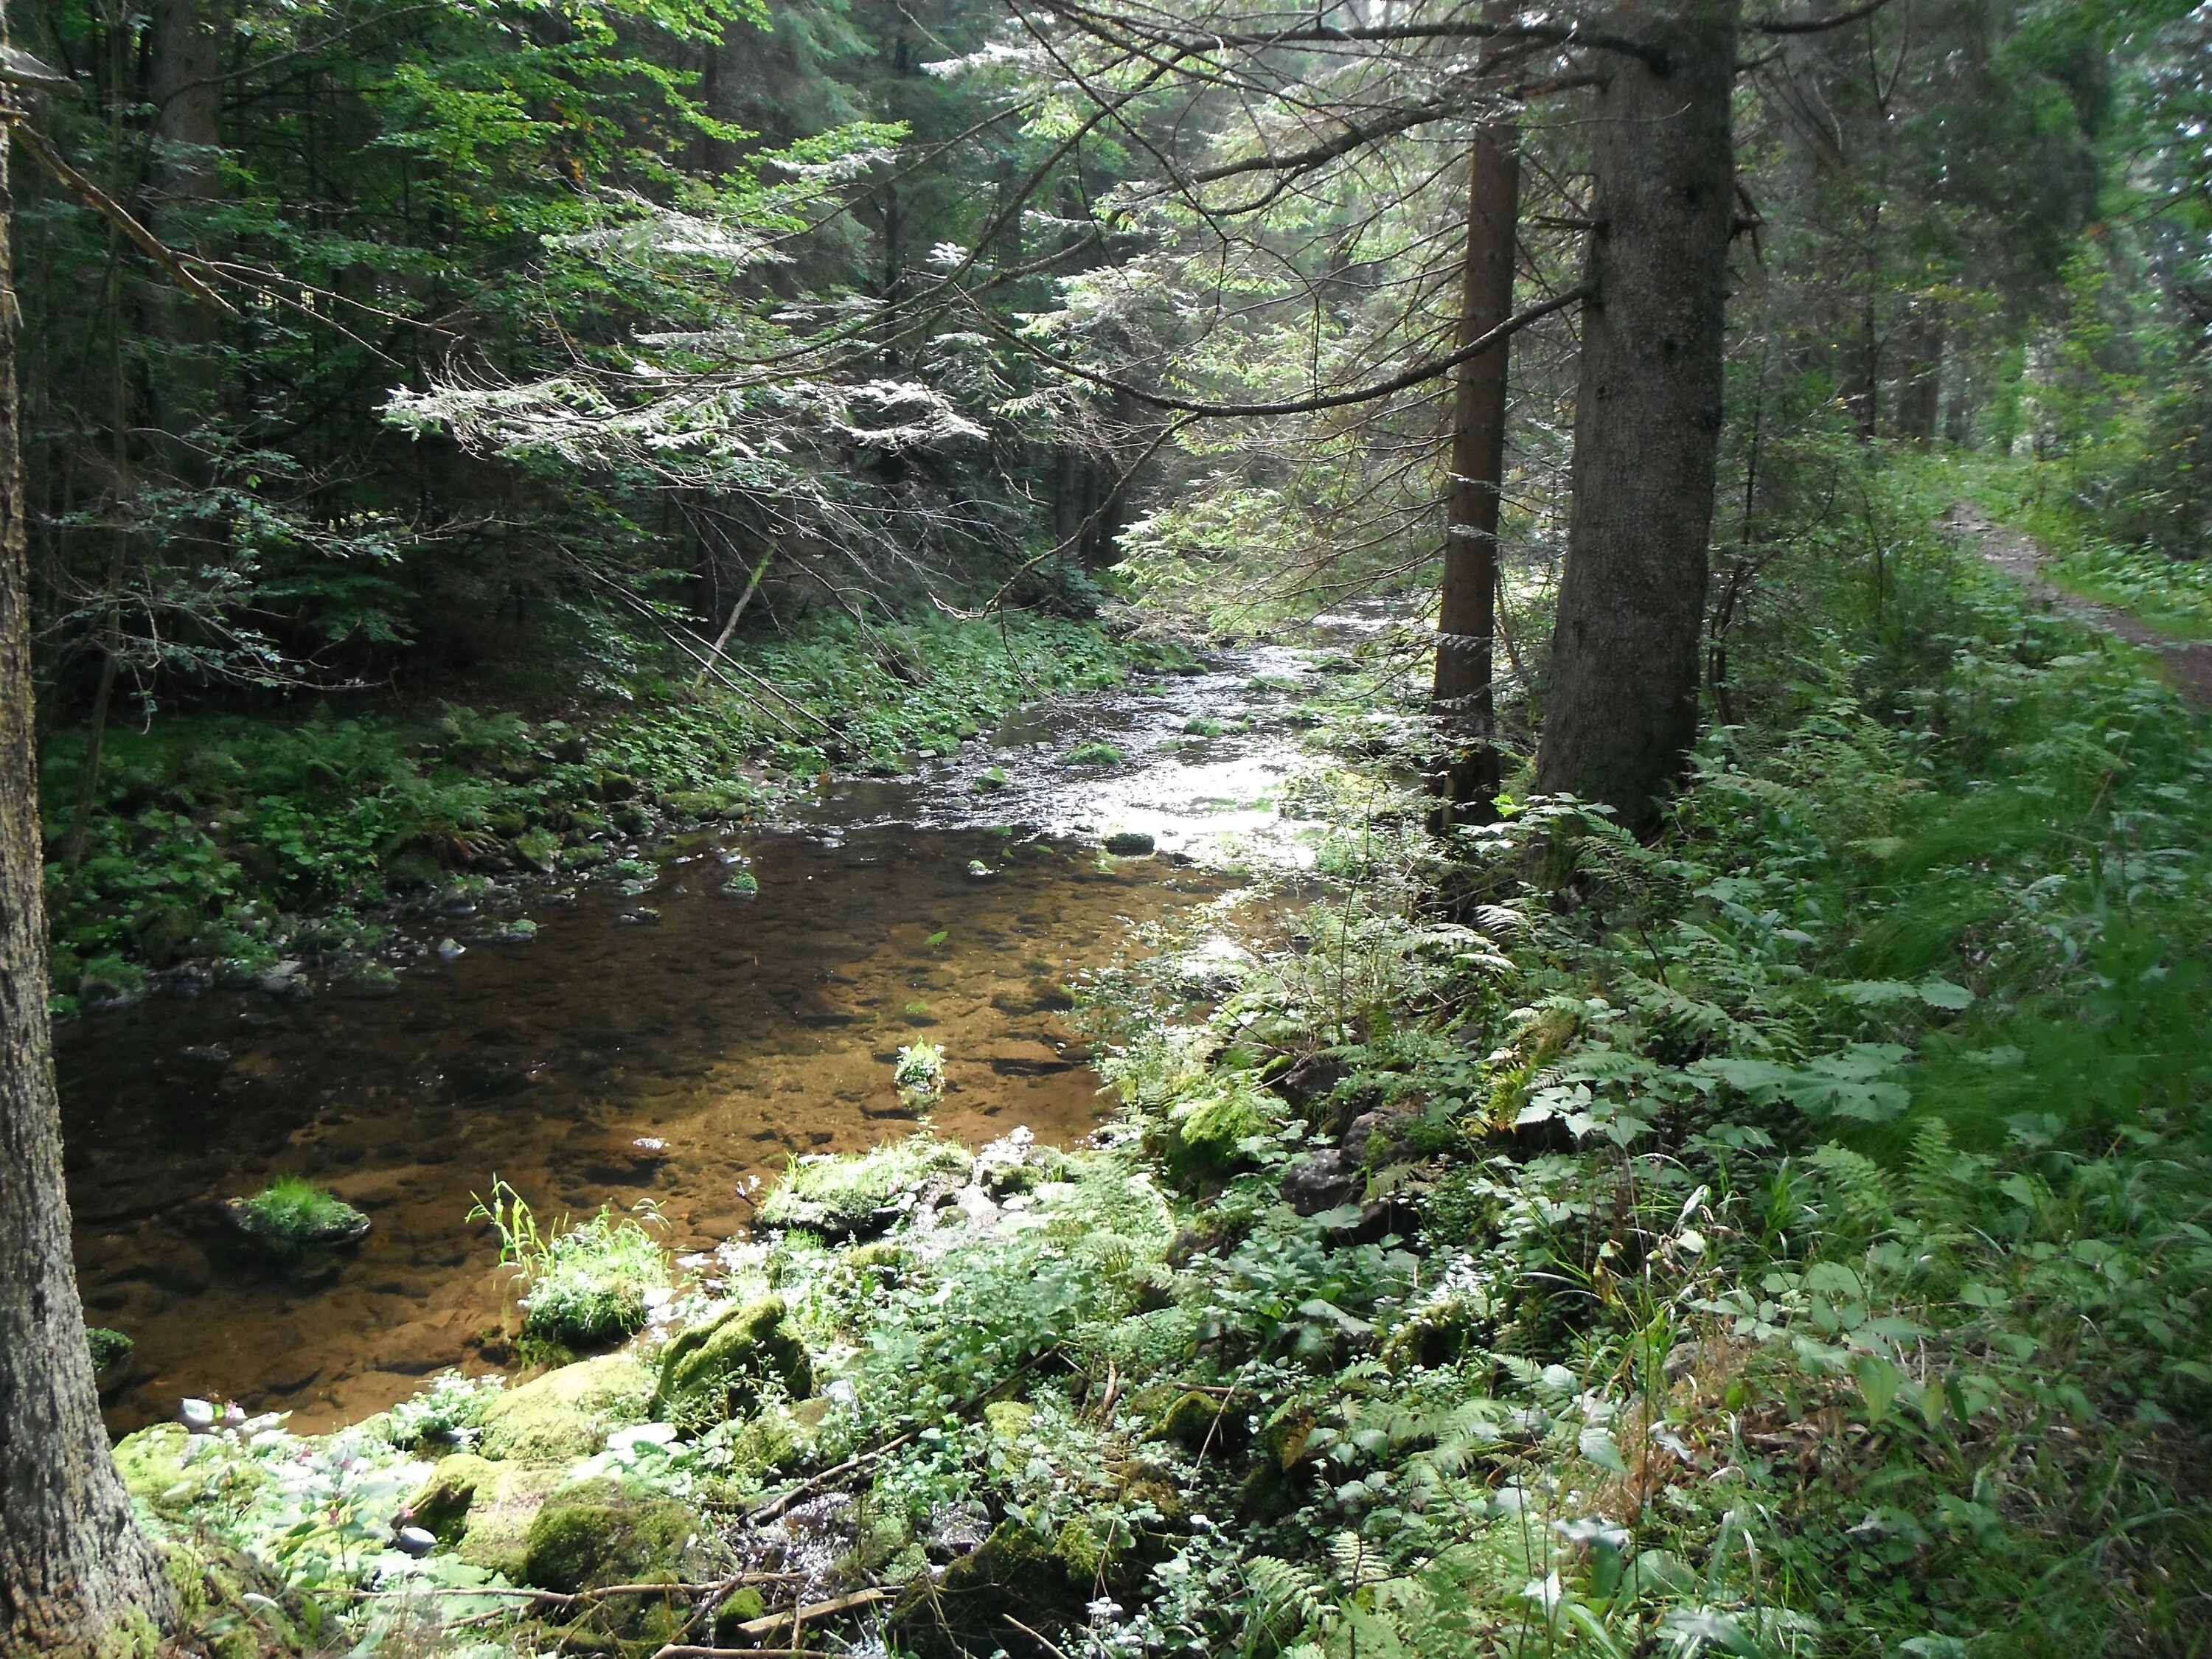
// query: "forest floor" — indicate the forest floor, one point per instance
point(2188, 662)
point(1790, 1237)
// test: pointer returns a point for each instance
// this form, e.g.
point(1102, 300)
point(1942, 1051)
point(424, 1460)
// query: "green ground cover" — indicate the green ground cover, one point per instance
point(1790, 1237)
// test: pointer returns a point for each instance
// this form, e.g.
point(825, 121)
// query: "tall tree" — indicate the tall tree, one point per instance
point(1621, 708)
point(1467, 620)
point(76, 1575)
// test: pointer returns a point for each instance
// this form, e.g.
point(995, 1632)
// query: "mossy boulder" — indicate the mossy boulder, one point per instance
point(566, 1415)
point(111, 1357)
point(964, 1611)
point(1192, 1421)
point(1207, 1132)
point(482, 1511)
point(152, 1464)
point(594, 1534)
point(859, 1197)
point(539, 849)
point(717, 1370)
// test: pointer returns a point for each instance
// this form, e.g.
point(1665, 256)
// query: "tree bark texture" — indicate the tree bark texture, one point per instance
point(1467, 619)
point(76, 1575)
point(1621, 710)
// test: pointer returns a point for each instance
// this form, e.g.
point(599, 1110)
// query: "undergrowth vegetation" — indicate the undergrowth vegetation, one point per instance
point(1791, 1236)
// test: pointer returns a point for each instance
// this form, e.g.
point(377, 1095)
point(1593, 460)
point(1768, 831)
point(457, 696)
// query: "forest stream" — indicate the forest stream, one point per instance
point(666, 1039)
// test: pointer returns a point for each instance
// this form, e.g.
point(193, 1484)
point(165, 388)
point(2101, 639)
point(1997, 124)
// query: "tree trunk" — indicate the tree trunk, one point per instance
point(183, 71)
point(1621, 708)
point(76, 1577)
point(1467, 615)
point(1920, 383)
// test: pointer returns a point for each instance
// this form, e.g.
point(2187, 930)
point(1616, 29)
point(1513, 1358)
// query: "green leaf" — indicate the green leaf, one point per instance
point(1879, 1383)
point(1599, 1446)
point(1939, 993)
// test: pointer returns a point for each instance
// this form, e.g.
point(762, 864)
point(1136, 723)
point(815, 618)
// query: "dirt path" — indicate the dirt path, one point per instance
point(2188, 664)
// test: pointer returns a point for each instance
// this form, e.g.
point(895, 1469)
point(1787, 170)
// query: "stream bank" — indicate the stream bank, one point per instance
point(659, 1033)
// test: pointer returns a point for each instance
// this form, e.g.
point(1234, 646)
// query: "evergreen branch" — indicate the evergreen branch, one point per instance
point(1428, 370)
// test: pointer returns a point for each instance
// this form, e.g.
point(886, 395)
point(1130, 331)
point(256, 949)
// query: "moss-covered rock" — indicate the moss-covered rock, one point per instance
point(1191, 1421)
point(859, 1197)
point(566, 1415)
point(1009, 1420)
point(1207, 1132)
point(717, 1371)
point(482, 1511)
point(965, 1610)
point(152, 1464)
point(594, 1533)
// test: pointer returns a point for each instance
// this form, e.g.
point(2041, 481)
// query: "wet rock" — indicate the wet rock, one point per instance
point(715, 1371)
point(424, 1345)
point(287, 979)
point(284, 1231)
point(1029, 1059)
point(1041, 997)
point(450, 949)
point(567, 1415)
point(1130, 844)
point(1322, 1181)
point(212, 1055)
point(165, 1260)
point(369, 979)
point(957, 1529)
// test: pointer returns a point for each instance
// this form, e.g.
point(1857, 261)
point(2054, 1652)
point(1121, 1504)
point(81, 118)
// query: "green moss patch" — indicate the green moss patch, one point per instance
point(719, 1369)
point(844, 1197)
point(291, 1215)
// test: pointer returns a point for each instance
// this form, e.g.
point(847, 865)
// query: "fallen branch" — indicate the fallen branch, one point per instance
point(775, 1507)
point(774, 1622)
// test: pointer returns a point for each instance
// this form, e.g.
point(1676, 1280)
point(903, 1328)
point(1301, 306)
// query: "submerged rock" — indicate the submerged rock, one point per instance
point(716, 1371)
point(1130, 844)
point(567, 1415)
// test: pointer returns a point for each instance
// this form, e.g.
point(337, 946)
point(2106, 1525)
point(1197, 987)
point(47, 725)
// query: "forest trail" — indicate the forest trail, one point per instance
point(2188, 663)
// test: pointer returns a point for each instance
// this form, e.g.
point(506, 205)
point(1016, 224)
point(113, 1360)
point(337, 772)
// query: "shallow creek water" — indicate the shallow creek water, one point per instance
point(676, 1043)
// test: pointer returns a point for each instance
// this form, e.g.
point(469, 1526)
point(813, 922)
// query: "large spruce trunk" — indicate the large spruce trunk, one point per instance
point(76, 1577)
point(1466, 616)
point(1621, 710)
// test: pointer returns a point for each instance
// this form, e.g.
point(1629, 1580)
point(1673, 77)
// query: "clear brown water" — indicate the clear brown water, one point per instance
point(734, 1032)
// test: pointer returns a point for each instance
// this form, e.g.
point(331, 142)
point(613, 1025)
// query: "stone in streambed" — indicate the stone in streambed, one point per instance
point(1130, 844)
point(594, 1533)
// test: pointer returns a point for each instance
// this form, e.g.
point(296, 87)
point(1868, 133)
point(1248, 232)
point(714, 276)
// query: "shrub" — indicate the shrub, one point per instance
point(583, 1286)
